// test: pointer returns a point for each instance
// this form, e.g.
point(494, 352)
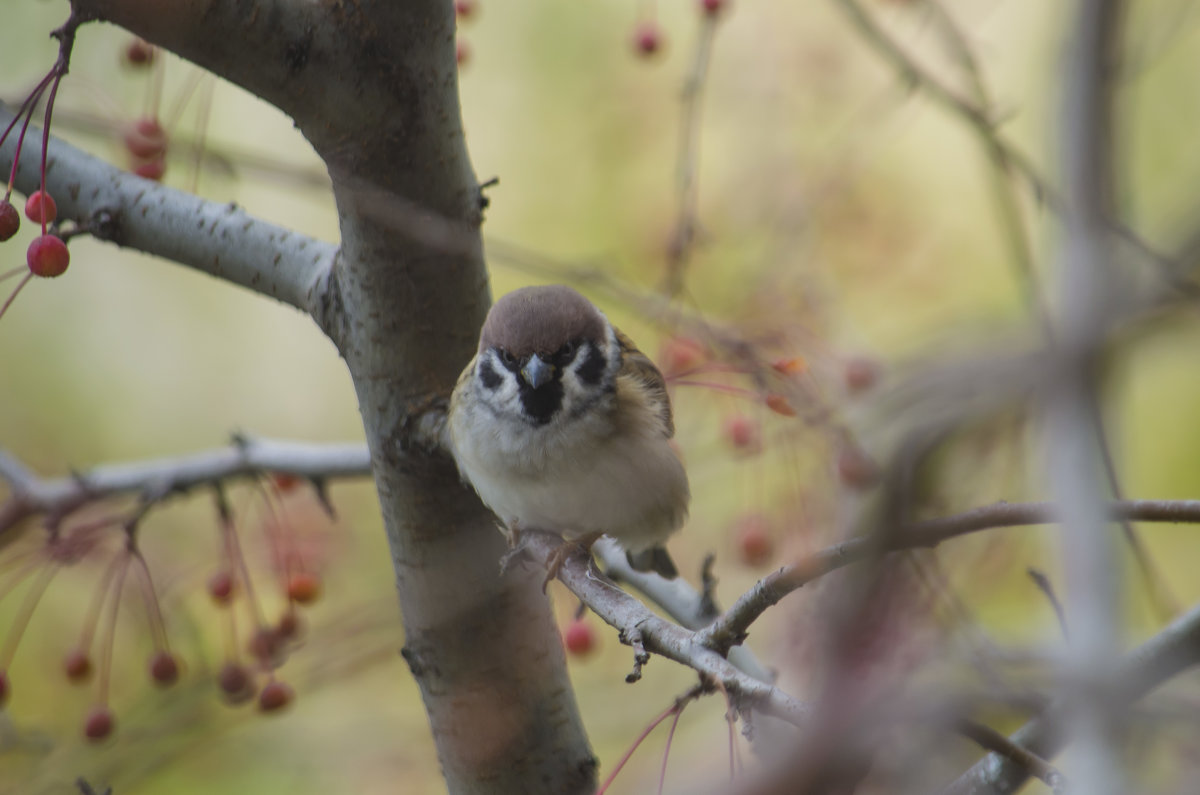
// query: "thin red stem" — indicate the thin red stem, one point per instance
point(13, 297)
point(93, 614)
point(629, 751)
point(158, 627)
point(238, 561)
point(58, 73)
point(662, 773)
point(25, 110)
point(110, 636)
point(24, 613)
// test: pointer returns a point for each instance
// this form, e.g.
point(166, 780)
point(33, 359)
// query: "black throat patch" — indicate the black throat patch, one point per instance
point(543, 403)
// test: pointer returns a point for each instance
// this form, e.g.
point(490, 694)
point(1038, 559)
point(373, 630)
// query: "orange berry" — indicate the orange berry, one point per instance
point(780, 405)
point(304, 587)
point(285, 481)
point(794, 365)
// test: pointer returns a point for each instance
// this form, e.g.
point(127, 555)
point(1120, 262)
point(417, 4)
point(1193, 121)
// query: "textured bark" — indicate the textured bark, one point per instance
point(373, 86)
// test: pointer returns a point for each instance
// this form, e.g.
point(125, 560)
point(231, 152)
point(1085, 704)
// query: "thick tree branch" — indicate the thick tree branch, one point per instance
point(219, 239)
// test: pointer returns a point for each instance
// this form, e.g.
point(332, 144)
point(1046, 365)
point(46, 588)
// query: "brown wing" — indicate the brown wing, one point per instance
point(638, 366)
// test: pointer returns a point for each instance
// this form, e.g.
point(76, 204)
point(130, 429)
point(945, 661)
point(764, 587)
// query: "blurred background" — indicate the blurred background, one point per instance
point(847, 233)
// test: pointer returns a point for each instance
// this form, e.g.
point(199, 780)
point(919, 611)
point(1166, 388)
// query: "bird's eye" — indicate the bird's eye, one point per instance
point(569, 348)
point(507, 357)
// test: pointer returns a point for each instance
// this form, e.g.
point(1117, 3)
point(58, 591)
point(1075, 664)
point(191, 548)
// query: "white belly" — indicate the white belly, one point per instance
point(634, 491)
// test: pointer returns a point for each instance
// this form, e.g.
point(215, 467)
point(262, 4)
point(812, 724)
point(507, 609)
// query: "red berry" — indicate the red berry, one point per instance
point(289, 625)
point(579, 638)
point(462, 52)
point(220, 587)
point(647, 40)
point(47, 256)
point(77, 665)
point(235, 681)
point(743, 433)
point(145, 138)
point(10, 220)
point(304, 587)
point(753, 535)
point(99, 724)
point(139, 52)
point(285, 481)
point(164, 668)
point(465, 9)
point(860, 374)
point(681, 354)
point(275, 696)
point(713, 7)
point(855, 468)
point(5, 687)
point(152, 169)
point(41, 208)
point(266, 645)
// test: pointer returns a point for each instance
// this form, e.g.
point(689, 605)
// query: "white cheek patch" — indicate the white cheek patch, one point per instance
point(504, 399)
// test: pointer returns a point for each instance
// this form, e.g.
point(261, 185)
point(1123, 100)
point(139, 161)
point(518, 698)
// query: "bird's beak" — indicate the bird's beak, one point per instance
point(536, 372)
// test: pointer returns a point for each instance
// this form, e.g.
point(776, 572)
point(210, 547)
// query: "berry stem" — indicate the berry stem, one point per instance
point(24, 613)
point(13, 297)
point(59, 71)
point(673, 709)
point(110, 636)
point(19, 576)
point(93, 614)
point(158, 627)
point(662, 773)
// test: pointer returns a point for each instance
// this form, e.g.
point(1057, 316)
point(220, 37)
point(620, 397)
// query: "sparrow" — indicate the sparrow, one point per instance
point(561, 424)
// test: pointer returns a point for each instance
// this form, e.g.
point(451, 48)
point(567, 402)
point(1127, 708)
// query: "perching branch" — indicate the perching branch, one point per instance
point(638, 625)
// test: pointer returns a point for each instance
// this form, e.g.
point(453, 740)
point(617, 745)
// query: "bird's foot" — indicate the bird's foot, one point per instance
point(557, 558)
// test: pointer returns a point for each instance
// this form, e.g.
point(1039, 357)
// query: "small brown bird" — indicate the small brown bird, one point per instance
point(561, 424)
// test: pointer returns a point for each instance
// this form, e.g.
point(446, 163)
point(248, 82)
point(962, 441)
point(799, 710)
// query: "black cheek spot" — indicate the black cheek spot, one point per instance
point(487, 375)
point(592, 369)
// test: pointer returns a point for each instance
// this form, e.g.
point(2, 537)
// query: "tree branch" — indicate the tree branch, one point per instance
point(1165, 655)
point(218, 239)
point(731, 628)
point(639, 626)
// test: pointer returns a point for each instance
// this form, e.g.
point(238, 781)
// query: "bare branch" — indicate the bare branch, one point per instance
point(158, 478)
point(219, 239)
point(731, 627)
point(634, 620)
point(1165, 655)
